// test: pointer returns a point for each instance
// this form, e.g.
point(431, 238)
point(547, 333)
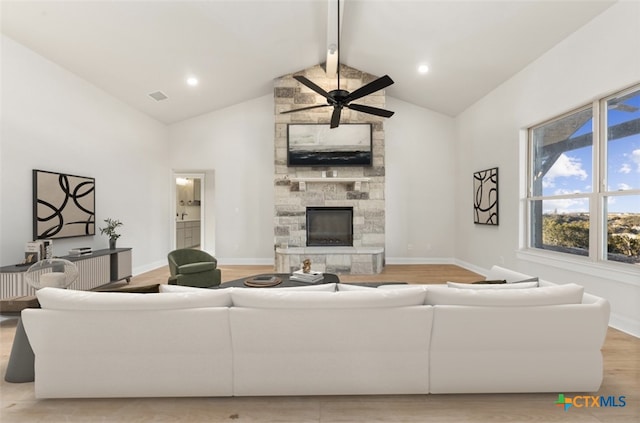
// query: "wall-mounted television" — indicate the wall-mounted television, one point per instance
point(350, 144)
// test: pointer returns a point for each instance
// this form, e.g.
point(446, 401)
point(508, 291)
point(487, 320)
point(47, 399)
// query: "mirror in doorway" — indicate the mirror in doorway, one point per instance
point(188, 191)
point(188, 212)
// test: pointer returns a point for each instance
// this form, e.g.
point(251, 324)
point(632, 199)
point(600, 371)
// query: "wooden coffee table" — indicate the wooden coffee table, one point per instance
point(14, 305)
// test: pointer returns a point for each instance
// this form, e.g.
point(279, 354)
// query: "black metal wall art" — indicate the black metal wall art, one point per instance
point(485, 197)
point(63, 205)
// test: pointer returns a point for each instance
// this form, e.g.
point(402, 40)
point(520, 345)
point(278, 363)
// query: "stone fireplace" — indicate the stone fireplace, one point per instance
point(299, 188)
point(329, 226)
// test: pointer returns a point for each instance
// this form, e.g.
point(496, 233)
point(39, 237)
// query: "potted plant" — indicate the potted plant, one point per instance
point(110, 231)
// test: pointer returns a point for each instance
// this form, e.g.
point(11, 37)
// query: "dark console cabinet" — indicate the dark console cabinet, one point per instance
point(96, 269)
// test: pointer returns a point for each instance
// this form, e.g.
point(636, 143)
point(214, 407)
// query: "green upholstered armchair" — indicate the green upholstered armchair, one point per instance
point(193, 268)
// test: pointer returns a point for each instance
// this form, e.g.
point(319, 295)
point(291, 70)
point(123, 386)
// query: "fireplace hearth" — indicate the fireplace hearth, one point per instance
point(329, 226)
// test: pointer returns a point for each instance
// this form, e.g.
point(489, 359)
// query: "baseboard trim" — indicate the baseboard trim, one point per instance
point(245, 261)
point(624, 324)
point(149, 267)
point(471, 267)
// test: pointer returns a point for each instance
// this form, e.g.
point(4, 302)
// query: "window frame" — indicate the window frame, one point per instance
point(597, 261)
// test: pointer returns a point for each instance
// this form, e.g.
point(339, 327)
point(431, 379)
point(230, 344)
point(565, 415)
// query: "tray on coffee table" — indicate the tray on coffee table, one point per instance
point(284, 278)
point(262, 281)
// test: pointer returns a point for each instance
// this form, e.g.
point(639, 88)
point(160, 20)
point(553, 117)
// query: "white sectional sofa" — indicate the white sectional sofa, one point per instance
point(332, 339)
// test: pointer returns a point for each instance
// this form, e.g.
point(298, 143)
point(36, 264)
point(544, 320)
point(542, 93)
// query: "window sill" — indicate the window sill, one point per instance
point(618, 272)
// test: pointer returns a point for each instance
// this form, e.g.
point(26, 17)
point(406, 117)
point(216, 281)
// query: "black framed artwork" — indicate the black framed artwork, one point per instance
point(63, 205)
point(319, 145)
point(485, 197)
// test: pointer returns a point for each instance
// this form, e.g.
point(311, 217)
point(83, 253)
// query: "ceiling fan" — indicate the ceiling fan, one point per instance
point(340, 99)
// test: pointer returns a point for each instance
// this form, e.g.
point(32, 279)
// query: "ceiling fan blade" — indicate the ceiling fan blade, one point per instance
point(370, 110)
point(335, 117)
point(304, 81)
point(371, 87)
point(305, 108)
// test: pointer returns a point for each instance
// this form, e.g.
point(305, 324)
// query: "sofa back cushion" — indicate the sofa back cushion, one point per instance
point(543, 296)
point(351, 287)
point(330, 351)
point(326, 287)
point(64, 299)
point(165, 288)
point(323, 287)
point(511, 276)
point(372, 298)
point(521, 285)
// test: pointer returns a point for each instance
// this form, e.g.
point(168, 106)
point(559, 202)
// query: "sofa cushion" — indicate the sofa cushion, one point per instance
point(493, 285)
point(350, 287)
point(534, 279)
point(490, 281)
point(543, 296)
point(323, 300)
point(497, 272)
point(166, 288)
point(323, 287)
point(63, 299)
point(397, 286)
point(326, 287)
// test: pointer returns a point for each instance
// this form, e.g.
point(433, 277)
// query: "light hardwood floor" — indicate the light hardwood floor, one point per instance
point(621, 377)
point(434, 273)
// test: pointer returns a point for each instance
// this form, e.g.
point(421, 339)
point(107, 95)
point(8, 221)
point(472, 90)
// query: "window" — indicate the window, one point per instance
point(584, 181)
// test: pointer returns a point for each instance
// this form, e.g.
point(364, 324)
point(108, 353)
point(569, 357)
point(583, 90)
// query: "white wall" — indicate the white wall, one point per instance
point(420, 188)
point(600, 58)
point(53, 120)
point(237, 144)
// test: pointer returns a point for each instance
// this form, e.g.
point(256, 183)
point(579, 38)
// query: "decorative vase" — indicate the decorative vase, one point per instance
point(112, 244)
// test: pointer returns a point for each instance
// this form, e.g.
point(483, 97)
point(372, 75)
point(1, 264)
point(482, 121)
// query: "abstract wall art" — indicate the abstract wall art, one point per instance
point(485, 197)
point(63, 205)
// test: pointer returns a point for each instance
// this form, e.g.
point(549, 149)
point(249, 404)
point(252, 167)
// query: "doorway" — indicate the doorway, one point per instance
point(189, 220)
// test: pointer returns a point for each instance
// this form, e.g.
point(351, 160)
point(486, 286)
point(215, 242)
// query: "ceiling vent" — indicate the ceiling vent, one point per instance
point(158, 96)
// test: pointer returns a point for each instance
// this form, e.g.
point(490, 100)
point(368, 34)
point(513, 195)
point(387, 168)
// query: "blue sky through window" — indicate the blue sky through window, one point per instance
point(572, 171)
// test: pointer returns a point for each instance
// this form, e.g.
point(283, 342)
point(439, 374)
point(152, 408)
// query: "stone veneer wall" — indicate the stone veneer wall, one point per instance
point(290, 202)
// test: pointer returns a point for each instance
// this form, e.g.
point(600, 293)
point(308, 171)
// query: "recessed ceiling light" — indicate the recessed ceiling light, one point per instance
point(423, 69)
point(192, 81)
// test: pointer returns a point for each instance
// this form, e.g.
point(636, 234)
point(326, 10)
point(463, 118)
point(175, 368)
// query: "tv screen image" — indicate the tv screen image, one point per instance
point(318, 145)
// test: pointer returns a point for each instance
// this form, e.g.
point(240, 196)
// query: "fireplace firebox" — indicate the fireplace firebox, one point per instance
point(329, 226)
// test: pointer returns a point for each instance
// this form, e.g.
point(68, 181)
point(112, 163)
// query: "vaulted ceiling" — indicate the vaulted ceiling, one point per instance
point(236, 48)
